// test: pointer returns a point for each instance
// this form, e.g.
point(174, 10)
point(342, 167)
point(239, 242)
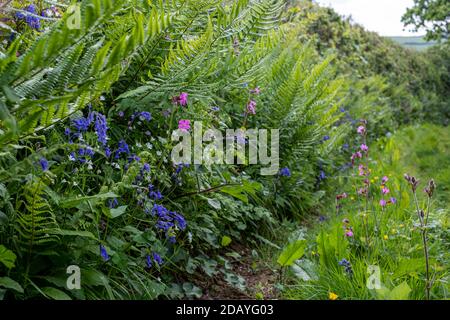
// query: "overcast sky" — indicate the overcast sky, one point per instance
point(382, 16)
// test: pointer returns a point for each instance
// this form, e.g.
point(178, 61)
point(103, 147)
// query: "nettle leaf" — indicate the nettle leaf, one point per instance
point(291, 253)
point(7, 257)
point(9, 283)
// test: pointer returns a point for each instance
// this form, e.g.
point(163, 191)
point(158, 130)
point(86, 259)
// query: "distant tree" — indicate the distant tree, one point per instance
point(431, 15)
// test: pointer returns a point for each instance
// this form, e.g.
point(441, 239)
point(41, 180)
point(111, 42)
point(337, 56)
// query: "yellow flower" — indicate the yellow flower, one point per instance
point(394, 231)
point(352, 198)
point(333, 296)
point(386, 237)
point(401, 226)
point(372, 181)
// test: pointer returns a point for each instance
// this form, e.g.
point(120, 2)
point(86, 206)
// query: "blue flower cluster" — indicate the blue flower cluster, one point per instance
point(32, 20)
point(156, 258)
point(285, 172)
point(123, 148)
point(168, 221)
point(347, 265)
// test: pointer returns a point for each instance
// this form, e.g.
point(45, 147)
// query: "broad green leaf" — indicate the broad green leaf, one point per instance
point(400, 292)
point(214, 203)
point(7, 257)
point(116, 212)
point(55, 294)
point(9, 283)
point(292, 252)
point(73, 202)
point(225, 241)
point(85, 234)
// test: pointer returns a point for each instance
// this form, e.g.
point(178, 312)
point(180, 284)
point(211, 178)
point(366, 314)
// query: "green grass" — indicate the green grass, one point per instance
point(387, 238)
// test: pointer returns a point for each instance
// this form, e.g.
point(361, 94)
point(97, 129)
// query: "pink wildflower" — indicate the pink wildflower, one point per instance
point(364, 147)
point(251, 107)
point(184, 125)
point(361, 130)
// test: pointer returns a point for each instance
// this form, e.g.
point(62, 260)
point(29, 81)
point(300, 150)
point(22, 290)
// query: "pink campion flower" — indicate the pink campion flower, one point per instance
point(181, 100)
point(349, 233)
point(257, 90)
point(356, 155)
point(364, 147)
point(361, 130)
point(362, 191)
point(362, 170)
point(251, 107)
point(385, 190)
point(184, 125)
point(383, 203)
point(384, 180)
point(341, 196)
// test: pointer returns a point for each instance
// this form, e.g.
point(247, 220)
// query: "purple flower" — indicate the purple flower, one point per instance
point(157, 258)
point(146, 167)
point(101, 128)
point(393, 200)
point(67, 131)
point(326, 138)
point(179, 219)
point(361, 130)
point(384, 180)
point(181, 100)
point(123, 148)
point(112, 203)
point(251, 107)
point(44, 164)
point(257, 90)
point(349, 233)
point(104, 253)
point(121, 114)
point(145, 115)
point(383, 203)
point(184, 125)
point(322, 175)
point(385, 190)
point(364, 147)
point(215, 109)
point(107, 152)
point(285, 172)
point(149, 261)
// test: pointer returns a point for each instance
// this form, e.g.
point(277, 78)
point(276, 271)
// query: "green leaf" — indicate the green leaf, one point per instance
point(116, 212)
point(55, 294)
point(400, 292)
point(9, 283)
point(73, 202)
point(7, 257)
point(85, 234)
point(214, 203)
point(225, 241)
point(292, 252)
point(192, 291)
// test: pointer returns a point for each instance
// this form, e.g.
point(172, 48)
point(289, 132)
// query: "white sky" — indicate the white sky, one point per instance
point(382, 16)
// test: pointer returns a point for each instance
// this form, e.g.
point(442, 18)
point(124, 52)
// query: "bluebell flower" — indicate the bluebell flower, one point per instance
point(322, 175)
point(326, 138)
point(123, 148)
point(155, 195)
point(347, 266)
point(81, 124)
point(44, 164)
point(112, 203)
point(121, 114)
point(146, 167)
point(157, 258)
point(145, 115)
point(101, 128)
point(215, 109)
point(285, 172)
point(134, 158)
point(107, 152)
point(67, 131)
point(104, 253)
point(149, 261)
point(181, 222)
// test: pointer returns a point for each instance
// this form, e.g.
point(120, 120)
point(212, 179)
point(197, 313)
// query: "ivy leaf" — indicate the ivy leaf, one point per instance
point(7, 257)
point(291, 253)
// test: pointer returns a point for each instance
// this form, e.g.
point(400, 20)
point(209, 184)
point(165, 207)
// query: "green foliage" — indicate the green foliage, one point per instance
point(433, 15)
point(291, 253)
